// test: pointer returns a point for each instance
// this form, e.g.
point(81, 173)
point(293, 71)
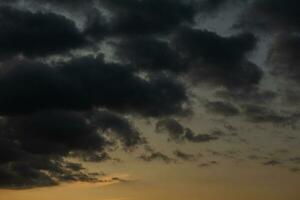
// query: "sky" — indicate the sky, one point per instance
point(149, 99)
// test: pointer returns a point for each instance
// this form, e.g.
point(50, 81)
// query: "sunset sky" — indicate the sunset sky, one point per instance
point(149, 99)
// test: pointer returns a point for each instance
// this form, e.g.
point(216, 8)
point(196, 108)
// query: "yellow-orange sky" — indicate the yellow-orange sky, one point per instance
point(158, 182)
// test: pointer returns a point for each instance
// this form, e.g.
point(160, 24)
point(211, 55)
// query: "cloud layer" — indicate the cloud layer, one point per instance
point(70, 85)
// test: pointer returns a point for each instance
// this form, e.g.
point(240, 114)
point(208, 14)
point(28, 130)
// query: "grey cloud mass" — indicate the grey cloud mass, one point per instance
point(72, 87)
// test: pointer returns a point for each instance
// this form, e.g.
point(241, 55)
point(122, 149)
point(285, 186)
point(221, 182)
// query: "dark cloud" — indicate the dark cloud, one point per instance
point(184, 156)
point(295, 160)
point(272, 15)
point(22, 175)
point(295, 169)
point(256, 157)
point(197, 138)
point(41, 171)
point(116, 124)
point(149, 53)
point(262, 114)
point(215, 6)
point(37, 34)
point(86, 82)
point(39, 142)
point(55, 106)
point(96, 26)
point(222, 108)
point(227, 154)
point(54, 132)
point(74, 166)
point(179, 133)
point(208, 164)
point(92, 156)
point(59, 132)
point(212, 48)
point(114, 179)
point(219, 133)
point(70, 5)
point(157, 156)
point(252, 95)
point(291, 96)
point(131, 18)
point(46, 108)
point(172, 127)
point(218, 60)
point(211, 5)
point(272, 163)
point(230, 127)
point(134, 17)
point(119, 88)
point(283, 62)
point(283, 57)
point(118, 179)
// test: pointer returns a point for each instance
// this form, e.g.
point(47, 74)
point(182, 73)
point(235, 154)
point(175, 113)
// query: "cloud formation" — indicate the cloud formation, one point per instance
point(184, 156)
point(283, 57)
point(217, 60)
point(37, 34)
point(134, 17)
point(272, 15)
point(88, 82)
point(262, 114)
point(70, 85)
point(150, 54)
point(157, 156)
point(178, 133)
point(38, 143)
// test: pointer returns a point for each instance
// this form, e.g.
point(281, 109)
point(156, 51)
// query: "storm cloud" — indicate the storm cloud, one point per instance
point(88, 82)
point(38, 143)
point(37, 34)
point(272, 15)
point(150, 54)
point(217, 60)
point(75, 75)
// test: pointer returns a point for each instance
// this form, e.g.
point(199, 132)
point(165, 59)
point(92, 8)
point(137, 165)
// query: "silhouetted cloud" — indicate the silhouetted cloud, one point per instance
point(211, 5)
point(262, 114)
point(37, 34)
point(272, 163)
point(134, 17)
point(37, 144)
point(149, 53)
point(88, 82)
point(179, 133)
point(40, 171)
point(272, 15)
point(208, 164)
point(184, 156)
point(217, 60)
point(71, 5)
point(157, 156)
point(145, 58)
point(116, 124)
